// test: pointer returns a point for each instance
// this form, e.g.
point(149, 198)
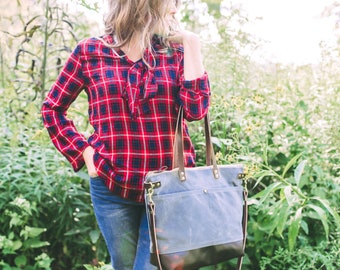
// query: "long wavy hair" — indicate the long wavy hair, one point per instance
point(127, 18)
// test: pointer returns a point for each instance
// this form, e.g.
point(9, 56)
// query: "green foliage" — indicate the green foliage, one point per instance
point(22, 240)
point(101, 266)
point(324, 256)
point(31, 171)
point(283, 205)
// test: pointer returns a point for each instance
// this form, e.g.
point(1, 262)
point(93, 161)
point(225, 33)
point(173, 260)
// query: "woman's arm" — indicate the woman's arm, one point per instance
point(64, 91)
point(194, 93)
point(193, 62)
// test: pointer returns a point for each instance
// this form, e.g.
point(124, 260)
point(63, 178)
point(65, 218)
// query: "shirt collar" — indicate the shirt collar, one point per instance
point(149, 56)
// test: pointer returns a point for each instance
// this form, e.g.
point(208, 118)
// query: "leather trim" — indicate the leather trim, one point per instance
point(199, 257)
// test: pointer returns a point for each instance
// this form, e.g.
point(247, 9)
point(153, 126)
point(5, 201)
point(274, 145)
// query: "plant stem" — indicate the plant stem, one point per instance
point(44, 60)
point(281, 179)
point(2, 69)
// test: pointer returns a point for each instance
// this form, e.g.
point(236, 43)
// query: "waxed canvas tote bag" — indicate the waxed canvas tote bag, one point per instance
point(197, 216)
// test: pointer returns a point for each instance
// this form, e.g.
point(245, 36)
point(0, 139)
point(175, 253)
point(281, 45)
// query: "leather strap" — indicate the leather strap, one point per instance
point(178, 146)
point(178, 149)
point(244, 227)
point(153, 234)
point(208, 144)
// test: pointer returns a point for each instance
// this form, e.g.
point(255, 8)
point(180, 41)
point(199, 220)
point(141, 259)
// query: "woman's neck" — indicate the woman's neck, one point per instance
point(133, 49)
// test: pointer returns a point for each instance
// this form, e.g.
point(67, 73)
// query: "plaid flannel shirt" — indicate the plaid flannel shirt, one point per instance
point(132, 108)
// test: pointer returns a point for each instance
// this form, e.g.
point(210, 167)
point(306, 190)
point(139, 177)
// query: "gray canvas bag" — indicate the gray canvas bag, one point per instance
point(197, 216)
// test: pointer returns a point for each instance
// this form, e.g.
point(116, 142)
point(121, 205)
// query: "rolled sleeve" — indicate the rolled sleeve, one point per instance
point(195, 97)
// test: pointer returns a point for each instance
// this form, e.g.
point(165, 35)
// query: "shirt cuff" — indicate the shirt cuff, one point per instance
point(78, 162)
point(200, 84)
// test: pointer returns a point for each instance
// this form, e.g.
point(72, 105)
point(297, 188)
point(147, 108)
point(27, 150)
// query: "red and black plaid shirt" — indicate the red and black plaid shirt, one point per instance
point(132, 108)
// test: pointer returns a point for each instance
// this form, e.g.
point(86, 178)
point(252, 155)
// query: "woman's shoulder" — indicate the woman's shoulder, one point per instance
point(161, 46)
point(176, 47)
point(99, 40)
point(93, 44)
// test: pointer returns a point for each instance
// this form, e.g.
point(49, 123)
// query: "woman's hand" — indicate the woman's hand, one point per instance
point(88, 157)
point(180, 36)
point(193, 64)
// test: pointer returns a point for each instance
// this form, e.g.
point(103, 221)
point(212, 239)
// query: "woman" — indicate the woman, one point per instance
point(136, 76)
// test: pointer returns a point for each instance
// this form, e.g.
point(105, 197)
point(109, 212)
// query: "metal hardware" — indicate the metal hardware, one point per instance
point(216, 174)
point(150, 188)
point(156, 184)
point(182, 176)
point(241, 176)
point(149, 193)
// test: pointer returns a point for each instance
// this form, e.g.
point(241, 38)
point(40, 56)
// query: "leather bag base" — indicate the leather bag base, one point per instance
point(196, 258)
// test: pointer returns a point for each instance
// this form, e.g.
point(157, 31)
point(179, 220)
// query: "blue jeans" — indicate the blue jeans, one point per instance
point(124, 226)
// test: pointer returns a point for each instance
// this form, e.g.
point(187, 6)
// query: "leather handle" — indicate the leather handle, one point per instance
point(178, 147)
point(244, 228)
point(153, 234)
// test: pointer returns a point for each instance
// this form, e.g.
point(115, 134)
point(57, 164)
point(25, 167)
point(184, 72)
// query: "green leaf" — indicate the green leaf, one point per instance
point(290, 164)
point(94, 235)
point(260, 175)
point(35, 243)
point(263, 195)
point(219, 141)
point(34, 231)
point(89, 267)
point(330, 210)
point(268, 224)
point(76, 231)
point(322, 217)
point(20, 261)
point(16, 245)
point(298, 172)
point(43, 261)
point(106, 267)
point(6, 266)
point(11, 235)
point(290, 197)
point(294, 228)
point(15, 220)
point(304, 227)
point(282, 217)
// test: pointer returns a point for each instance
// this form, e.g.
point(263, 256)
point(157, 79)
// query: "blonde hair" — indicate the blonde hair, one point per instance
point(127, 18)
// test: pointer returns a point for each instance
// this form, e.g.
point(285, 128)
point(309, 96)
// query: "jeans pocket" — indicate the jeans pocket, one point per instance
point(95, 178)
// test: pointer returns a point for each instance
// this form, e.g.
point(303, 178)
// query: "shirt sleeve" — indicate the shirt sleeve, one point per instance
point(194, 96)
point(64, 91)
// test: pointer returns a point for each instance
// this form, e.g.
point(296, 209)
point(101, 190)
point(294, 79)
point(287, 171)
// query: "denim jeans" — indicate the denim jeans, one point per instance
point(124, 226)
